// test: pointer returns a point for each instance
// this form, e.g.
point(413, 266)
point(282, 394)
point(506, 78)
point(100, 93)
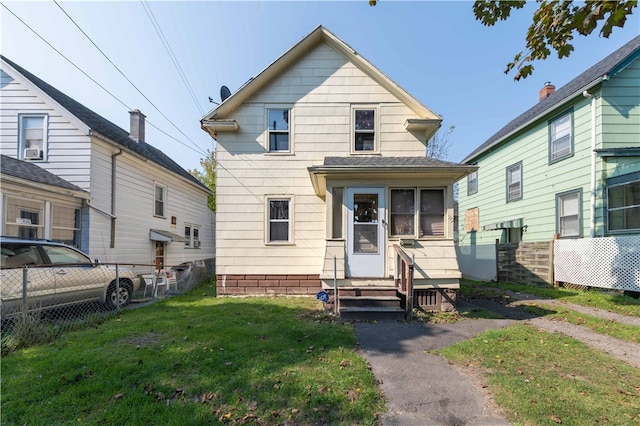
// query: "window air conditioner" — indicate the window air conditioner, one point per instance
point(196, 244)
point(32, 154)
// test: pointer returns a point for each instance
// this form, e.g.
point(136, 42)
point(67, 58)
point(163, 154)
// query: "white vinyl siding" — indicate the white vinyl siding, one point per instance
point(321, 88)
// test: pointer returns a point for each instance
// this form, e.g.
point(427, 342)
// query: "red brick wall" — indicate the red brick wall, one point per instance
point(268, 284)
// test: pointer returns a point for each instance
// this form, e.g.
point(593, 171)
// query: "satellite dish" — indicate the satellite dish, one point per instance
point(224, 93)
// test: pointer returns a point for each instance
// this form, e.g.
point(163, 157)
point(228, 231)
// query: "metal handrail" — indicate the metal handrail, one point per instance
point(404, 282)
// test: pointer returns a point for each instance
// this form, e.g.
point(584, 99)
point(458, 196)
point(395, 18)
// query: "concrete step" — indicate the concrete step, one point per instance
point(365, 291)
point(375, 313)
point(369, 301)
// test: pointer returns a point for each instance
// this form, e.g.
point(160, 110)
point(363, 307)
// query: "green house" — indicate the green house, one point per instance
point(569, 167)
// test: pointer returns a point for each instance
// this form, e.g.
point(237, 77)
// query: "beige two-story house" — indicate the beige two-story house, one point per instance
point(322, 179)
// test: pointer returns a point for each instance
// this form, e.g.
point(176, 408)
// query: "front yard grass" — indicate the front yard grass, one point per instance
point(196, 359)
point(594, 298)
point(541, 378)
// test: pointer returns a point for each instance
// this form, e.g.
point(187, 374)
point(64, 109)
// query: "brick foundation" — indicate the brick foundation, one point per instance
point(267, 285)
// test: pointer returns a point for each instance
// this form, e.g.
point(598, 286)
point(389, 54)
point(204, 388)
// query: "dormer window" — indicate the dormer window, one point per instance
point(364, 130)
point(278, 125)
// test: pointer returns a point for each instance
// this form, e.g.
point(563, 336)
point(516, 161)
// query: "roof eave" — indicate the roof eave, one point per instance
point(537, 117)
point(77, 193)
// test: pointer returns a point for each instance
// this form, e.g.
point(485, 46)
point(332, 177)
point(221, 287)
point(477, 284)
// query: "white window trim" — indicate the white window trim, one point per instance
point(267, 208)
point(376, 130)
point(267, 107)
point(21, 136)
point(192, 240)
point(164, 201)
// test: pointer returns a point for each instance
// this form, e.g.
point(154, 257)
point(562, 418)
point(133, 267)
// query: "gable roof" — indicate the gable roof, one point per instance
point(105, 127)
point(25, 171)
point(591, 77)
point(318, 35)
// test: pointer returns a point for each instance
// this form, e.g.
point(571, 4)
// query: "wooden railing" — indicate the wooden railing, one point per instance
point(404, 280)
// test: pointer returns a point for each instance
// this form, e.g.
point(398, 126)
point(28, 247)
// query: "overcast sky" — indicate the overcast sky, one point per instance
point(436, 51)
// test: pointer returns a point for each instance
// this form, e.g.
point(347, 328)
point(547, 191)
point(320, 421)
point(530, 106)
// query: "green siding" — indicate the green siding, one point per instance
point(617, 124)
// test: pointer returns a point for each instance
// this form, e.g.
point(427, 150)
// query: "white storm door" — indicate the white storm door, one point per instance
point(365, 232)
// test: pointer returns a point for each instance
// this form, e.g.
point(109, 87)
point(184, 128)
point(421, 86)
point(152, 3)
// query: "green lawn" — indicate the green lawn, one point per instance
point(196, 359)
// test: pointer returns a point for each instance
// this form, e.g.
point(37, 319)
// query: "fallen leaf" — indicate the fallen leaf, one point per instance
point(555, 419)
point(118, 396)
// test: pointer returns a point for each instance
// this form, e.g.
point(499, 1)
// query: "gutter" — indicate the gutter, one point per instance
point(113, 197)
point(592, 221)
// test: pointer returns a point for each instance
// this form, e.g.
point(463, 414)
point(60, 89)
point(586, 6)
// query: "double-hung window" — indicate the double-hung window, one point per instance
point(432, 212)
point(192, 234)
point(279, 220)
point(472, 183)
point(33, 137)
point(514, 182)
point(568, 214)
point(429, 207)
point(278, 125)
point(66, 224)
point(623, 204)
point(403, 211)
point(560, 137)
point(24, 218)
point(364, 130)
point(160, 199)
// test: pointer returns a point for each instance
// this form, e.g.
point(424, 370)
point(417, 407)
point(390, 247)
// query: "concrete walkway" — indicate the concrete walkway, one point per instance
point(420, 388)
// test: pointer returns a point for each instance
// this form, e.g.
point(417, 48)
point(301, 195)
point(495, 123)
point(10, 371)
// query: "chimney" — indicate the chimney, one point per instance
point(136, 127)
point(547, 90)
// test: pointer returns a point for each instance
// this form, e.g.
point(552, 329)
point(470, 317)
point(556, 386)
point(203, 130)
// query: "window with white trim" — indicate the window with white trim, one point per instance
point(33, 137)
point(560, 137)
point(472, 183)
point(159, 199)
point(623, 205)
point(364, 130)
point(66, 225)
point(568, 213)
point(24, 218)
point(514, 182)
point(278, 129)
point(279, 220)
point(192, 233)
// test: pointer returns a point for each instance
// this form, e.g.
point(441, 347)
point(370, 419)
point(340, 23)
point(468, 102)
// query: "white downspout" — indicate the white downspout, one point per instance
point(592, 224)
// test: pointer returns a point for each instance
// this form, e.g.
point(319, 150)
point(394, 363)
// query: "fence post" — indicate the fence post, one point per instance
point(25, 279)
point(117, 288)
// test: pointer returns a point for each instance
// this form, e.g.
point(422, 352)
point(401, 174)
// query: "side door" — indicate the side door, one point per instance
point(77, 278)
point(365, 232)
point(21, 261)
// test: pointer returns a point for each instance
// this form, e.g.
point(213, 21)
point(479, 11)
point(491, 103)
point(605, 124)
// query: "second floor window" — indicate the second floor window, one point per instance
point(364, 130)
point(472, 183)
point(160, 199)
point(514, 182)
point(560, 140)
point(278, 119)
point(33, 137)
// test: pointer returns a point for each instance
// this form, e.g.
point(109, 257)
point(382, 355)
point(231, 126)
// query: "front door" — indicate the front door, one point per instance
point(365, 232)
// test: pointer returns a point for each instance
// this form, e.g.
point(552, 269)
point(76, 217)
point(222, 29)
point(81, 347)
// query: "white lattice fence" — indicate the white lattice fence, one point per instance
point(612, 262)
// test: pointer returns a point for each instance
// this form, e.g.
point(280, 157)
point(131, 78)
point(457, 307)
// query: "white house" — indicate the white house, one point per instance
point(128, 202)
point(321, 161)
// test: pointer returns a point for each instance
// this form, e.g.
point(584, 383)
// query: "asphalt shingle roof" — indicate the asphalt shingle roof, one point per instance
point(564, 93)
point(32, 172)
point(406, 162)
point(104, 127)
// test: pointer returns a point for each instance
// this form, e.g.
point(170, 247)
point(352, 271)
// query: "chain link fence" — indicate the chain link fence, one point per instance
point(38, 303)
